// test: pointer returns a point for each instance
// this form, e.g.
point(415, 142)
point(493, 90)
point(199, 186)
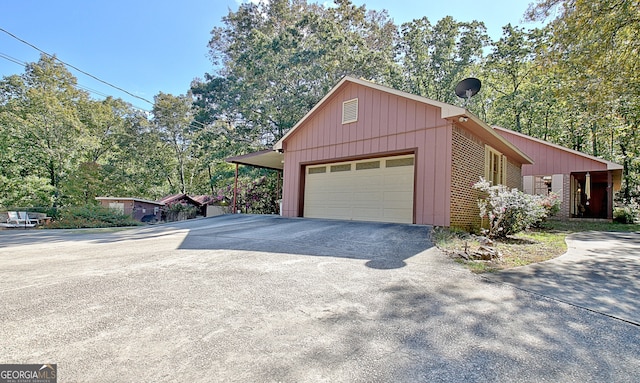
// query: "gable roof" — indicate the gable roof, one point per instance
point(447, 111)
point(177, 197)
point(610, 165)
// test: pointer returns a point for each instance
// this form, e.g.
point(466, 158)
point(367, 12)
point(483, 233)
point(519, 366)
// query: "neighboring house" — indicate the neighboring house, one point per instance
point(212, 205)
point(139, 209)
point(372, 153)
point(170, 214)
point(182, 198)
point(585, 184)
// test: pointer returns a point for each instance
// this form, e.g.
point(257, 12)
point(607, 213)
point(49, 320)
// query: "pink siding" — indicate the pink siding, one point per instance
point(386, 123)
point(550, 160)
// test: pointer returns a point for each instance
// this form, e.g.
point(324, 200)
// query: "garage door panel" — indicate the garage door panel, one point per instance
point(368, 191)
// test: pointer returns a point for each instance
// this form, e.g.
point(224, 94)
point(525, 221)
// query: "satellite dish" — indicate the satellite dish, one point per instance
point(468, 88)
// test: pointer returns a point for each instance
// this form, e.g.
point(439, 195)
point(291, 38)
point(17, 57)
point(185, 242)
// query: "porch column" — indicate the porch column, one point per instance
point(609, 195)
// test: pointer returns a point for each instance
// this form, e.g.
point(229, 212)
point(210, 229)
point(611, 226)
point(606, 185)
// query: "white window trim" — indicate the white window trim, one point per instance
point(490, 153)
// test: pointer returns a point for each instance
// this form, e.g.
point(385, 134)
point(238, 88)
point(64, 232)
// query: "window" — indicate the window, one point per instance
point(340, 168)
point(318, 170)
point(495, 166)
point(400, 162)
point(368, 165)
point(350, 111)
point(542, 185)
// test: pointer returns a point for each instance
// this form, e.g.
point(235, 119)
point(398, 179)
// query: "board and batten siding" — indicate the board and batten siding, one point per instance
point(387, 125)
point(548, 159)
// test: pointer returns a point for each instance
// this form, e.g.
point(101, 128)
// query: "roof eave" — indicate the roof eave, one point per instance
point(610, 165)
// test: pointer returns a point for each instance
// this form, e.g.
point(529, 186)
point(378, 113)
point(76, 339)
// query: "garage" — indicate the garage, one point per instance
point(377, 189)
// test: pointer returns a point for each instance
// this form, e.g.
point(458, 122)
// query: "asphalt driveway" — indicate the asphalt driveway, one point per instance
point(269, 299)
point(600, 272)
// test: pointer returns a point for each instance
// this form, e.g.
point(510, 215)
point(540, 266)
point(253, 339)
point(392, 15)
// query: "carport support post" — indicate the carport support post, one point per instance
point(235, 191)
point(609, 195)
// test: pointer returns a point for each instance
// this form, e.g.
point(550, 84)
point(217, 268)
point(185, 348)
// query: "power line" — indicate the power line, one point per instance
point(78, 86)
point(76, 68)
point(12, 59)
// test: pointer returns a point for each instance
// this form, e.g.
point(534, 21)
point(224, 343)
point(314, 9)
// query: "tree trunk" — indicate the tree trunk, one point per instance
point(626, 191)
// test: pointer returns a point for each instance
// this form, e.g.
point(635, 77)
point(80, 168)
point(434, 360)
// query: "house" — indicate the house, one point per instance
point(181, 198)
point(585, 184)
point(373, 153)
point(211, 205)
point(170, 214)
point(139, 209)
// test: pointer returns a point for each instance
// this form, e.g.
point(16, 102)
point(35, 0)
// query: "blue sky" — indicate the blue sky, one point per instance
point(146, 47)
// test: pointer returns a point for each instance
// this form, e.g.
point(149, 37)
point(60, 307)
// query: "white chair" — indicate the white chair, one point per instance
point(20, 219)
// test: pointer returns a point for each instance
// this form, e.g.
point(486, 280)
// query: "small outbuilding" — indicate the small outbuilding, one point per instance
point(140, 209)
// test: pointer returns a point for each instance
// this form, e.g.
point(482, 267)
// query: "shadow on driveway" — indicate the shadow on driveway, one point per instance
point(599, 272)
point(384, 245)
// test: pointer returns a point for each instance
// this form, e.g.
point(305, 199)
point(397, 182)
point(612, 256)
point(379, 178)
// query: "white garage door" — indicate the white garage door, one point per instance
point(378, 189)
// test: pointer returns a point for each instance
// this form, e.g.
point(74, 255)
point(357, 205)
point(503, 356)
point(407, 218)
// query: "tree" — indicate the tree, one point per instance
point(39, 114)
point(172, 116)
point(279, 58)
point(595, 44)
point(509, 68)
point(435, 58)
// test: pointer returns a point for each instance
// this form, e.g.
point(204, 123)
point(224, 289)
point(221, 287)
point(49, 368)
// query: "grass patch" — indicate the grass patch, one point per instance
point(532, 246)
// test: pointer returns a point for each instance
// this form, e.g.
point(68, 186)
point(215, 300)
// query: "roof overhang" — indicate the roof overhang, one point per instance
point(610, 165)
point(491, 137)
point(267, 159)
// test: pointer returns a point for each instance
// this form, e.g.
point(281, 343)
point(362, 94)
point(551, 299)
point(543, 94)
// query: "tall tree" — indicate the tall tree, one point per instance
point(279, 58)
point(435, 57)
point(40, 113)
point(596, 44)
point(173, 117)
point(509, 69)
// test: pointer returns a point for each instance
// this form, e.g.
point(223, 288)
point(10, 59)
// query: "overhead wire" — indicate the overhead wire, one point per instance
point(79, 86)
point(74, 67)
point(19, 62)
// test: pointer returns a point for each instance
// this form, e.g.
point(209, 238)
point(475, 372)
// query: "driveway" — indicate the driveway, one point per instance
point(269, 299)
point(600, 272)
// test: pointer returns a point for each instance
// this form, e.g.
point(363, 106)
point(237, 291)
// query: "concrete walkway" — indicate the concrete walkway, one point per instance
point(600, 272)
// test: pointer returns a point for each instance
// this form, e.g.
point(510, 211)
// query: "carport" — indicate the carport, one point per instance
point(265, 159)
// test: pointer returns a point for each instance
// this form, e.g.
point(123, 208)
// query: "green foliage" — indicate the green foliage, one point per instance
point(179, 212)
point(90, 216)
point(627, 214)
point(435, 57)
point(278, 58)
point(29, 190)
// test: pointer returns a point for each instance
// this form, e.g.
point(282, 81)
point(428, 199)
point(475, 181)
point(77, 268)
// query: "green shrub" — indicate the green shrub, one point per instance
point(625, 214)
point(179, 212)
point(91, 216)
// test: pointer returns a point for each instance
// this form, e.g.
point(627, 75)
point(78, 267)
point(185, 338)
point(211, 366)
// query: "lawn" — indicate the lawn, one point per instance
point(535, 245)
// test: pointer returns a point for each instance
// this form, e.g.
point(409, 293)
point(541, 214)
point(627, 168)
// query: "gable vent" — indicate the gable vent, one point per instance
point(350, 111)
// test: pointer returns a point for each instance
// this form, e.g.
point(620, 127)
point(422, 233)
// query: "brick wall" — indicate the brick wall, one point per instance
point(514, 175)
point(467, 166)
